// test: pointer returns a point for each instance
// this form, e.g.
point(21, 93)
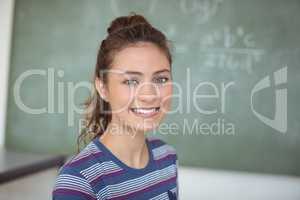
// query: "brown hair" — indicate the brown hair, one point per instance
point(122, 32)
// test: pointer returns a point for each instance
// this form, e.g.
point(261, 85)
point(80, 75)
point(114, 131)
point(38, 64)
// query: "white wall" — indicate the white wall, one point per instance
point(6, 21)
point(200, 183)
point(37, 186)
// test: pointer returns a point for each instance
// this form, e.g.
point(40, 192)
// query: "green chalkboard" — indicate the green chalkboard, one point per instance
point(236, 68)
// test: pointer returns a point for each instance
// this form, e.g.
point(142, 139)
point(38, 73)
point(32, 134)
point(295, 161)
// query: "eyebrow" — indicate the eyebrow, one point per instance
point(140, 73)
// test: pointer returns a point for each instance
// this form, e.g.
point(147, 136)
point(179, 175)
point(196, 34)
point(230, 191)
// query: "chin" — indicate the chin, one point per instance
point(146, 127)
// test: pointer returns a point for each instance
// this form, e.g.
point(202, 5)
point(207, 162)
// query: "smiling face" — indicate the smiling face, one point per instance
point(139, 86)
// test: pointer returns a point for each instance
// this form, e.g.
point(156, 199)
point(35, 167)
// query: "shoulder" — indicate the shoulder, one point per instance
point(70, 184)
point(71, 180)
point(85, 158)
point(165, 153)
point(161, 149)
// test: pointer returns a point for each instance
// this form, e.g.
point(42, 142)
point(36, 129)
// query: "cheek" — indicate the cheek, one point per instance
point(166, 96)
point(120, 98)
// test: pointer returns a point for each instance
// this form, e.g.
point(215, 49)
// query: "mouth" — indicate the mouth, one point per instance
point(145, 112)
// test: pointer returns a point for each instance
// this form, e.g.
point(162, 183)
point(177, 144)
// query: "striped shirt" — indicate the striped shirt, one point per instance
point(96, 173)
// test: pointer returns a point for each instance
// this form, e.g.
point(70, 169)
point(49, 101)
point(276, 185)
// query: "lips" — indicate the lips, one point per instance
point(145, 112)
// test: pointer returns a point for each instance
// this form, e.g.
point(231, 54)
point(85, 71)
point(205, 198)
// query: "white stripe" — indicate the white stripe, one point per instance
point(94, 148)
point(163, 196)
point(163, 151)
point(164, 155)
point(72, 179)
point(98, 169)
point(174, 190)
point(75, 182)
point(151, 181)
point(80, 156)
point(98, 166)
point(139, 183)
point(90, 148)
point(154, 138)
point(104, 165)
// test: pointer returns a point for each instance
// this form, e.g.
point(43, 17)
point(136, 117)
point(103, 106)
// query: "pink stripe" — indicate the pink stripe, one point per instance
point(111, 174)
point(155, 142)
point(72, 192)
point(147, 189)
point(169, 156)
point(81, 160)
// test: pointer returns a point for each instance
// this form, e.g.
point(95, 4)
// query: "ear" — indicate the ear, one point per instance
point(101, 89)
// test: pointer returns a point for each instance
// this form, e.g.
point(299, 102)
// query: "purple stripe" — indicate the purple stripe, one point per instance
point(111, 174)
point(81, 160)
point(153, 139)
point(157, 142)
point(136, 193)
point(168, 157)
point(72, 192)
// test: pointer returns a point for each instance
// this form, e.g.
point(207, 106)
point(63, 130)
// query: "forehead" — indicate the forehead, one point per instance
point(142, 57)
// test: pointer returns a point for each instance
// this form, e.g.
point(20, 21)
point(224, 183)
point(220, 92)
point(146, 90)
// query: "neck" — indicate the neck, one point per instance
point(128, 145)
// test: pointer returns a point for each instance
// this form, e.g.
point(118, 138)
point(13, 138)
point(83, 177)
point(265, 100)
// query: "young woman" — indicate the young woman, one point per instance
point(133, 89)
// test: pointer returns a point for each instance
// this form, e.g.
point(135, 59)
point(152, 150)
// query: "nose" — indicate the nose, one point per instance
point(147, 92)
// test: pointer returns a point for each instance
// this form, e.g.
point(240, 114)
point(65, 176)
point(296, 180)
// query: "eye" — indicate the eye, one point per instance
point(161, 80)
point(131, 82)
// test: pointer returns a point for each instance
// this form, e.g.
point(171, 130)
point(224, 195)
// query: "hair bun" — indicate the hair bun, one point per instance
point(125, 22)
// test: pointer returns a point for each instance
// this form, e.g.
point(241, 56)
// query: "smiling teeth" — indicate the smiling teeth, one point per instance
point(144, 111)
